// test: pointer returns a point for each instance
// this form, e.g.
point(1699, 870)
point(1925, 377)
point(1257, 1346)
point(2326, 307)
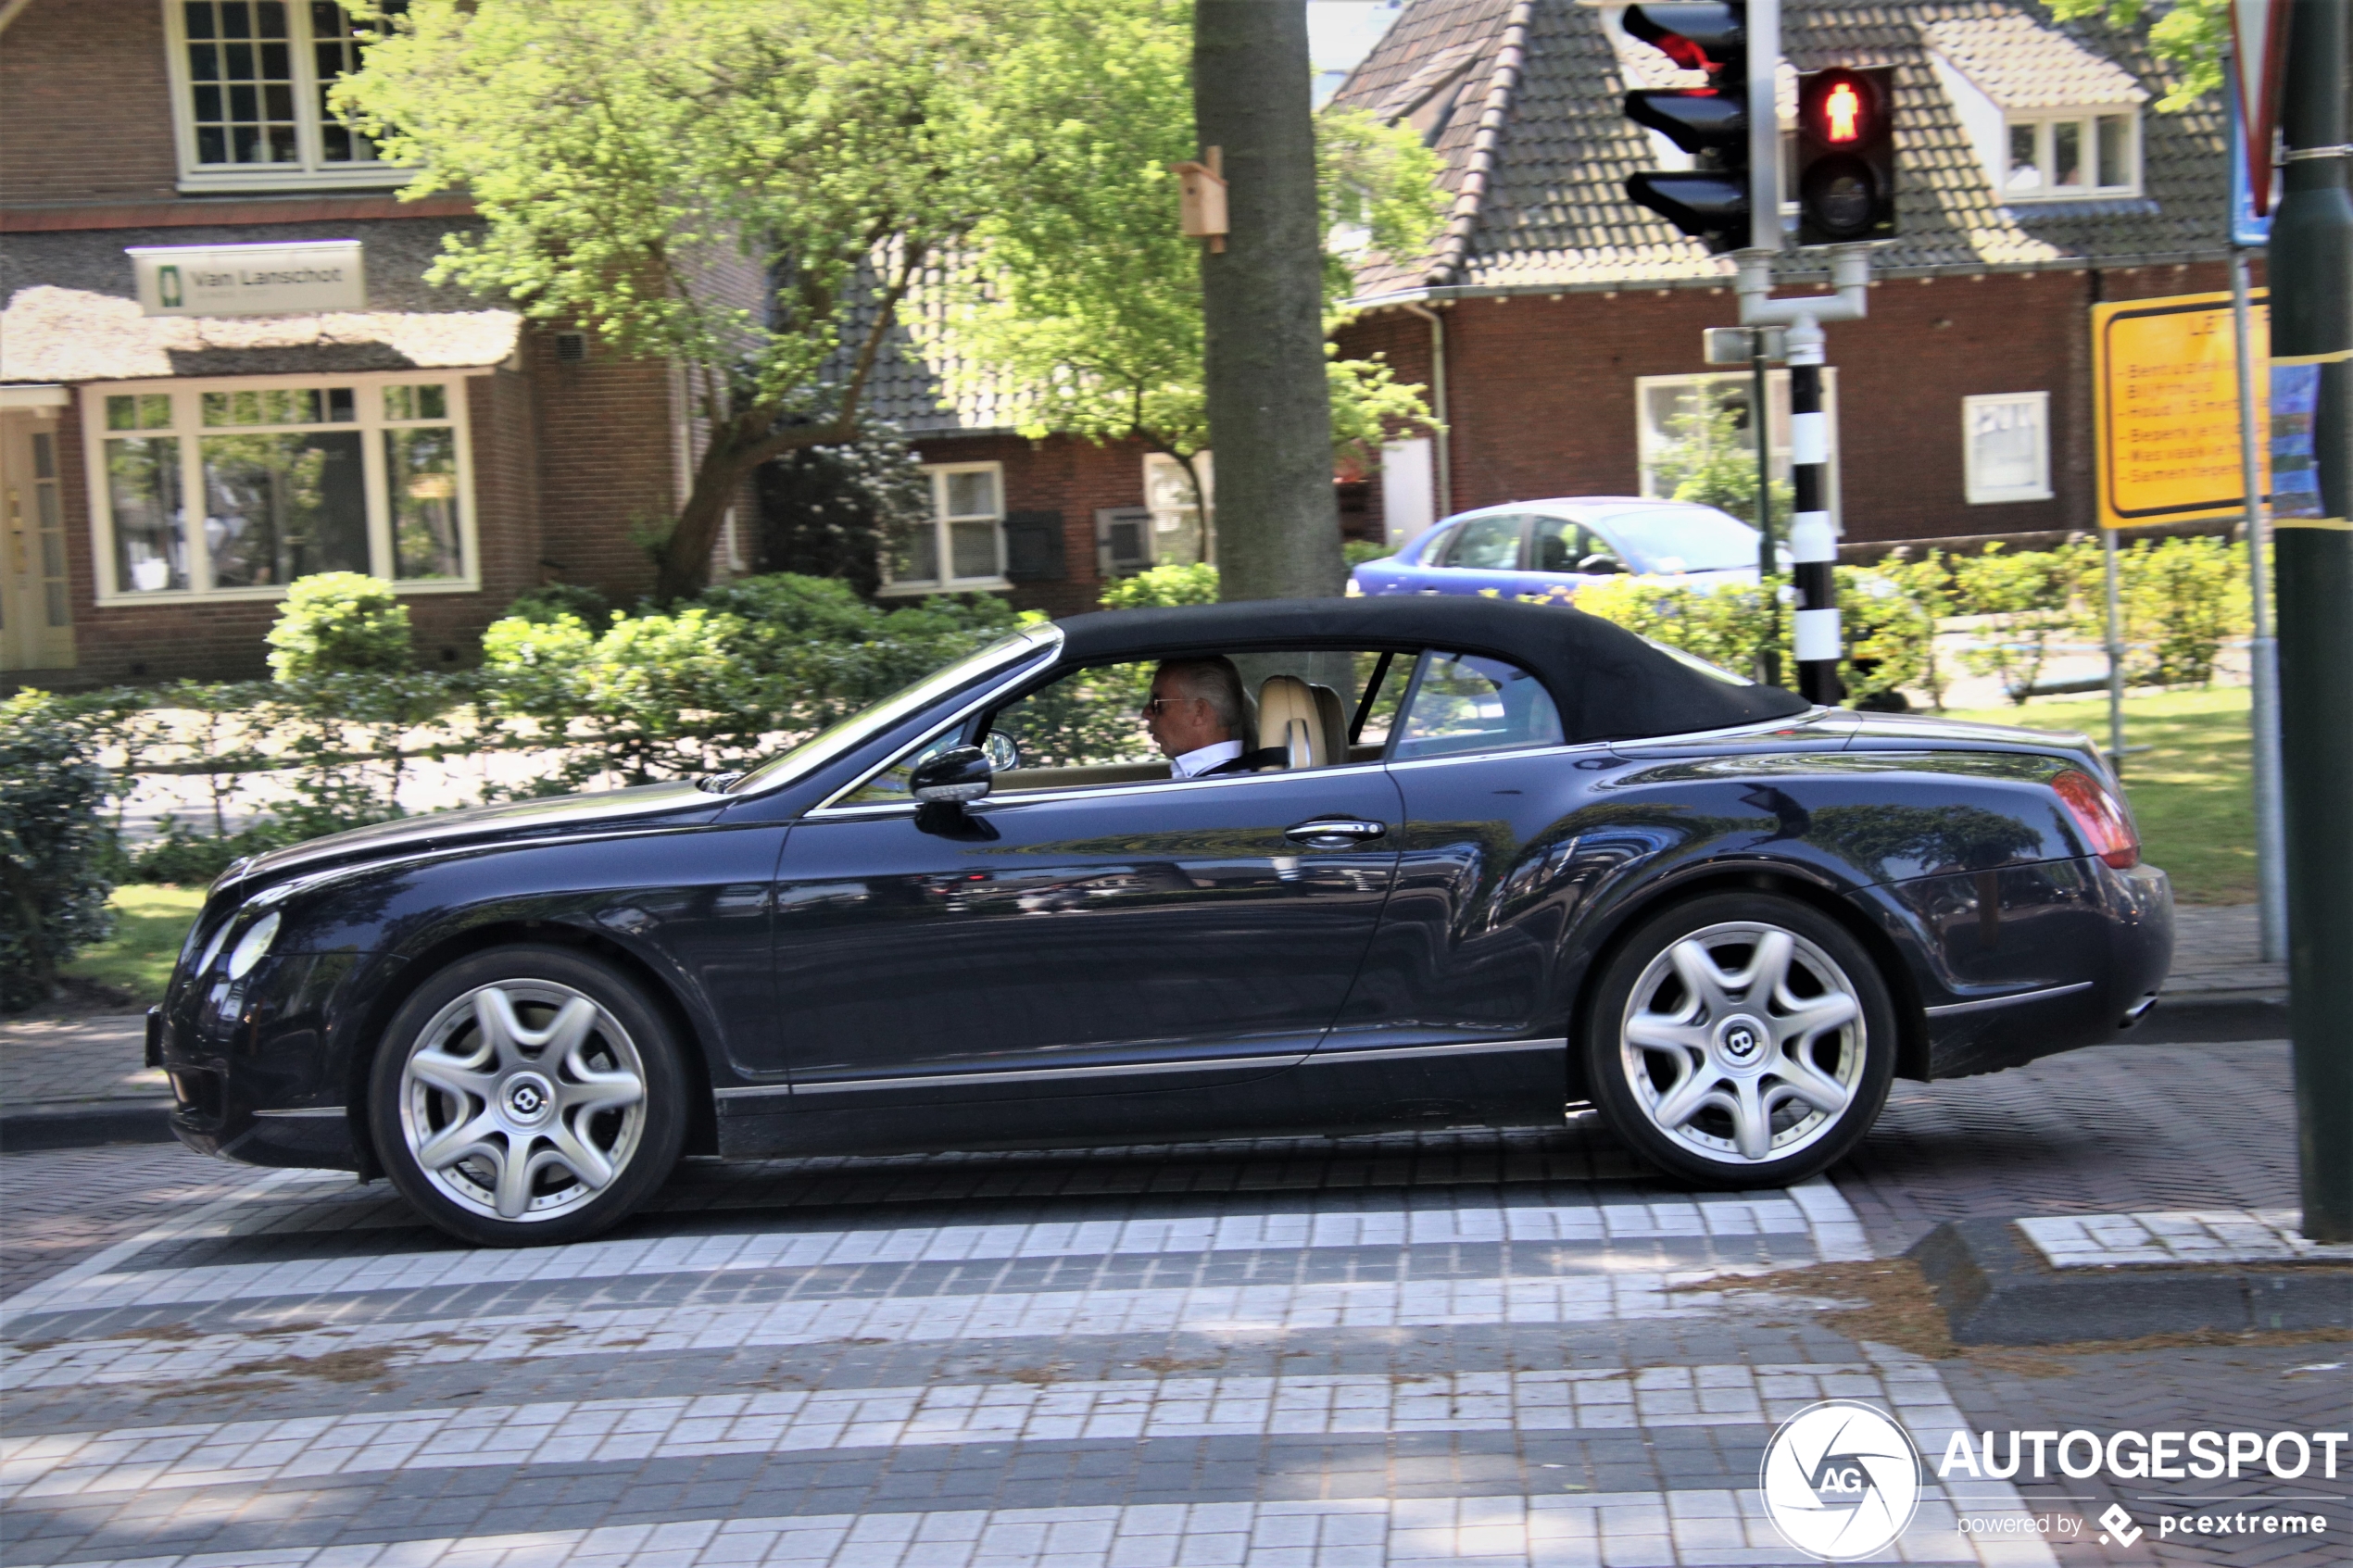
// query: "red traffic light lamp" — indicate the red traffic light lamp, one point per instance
point(1845, 156)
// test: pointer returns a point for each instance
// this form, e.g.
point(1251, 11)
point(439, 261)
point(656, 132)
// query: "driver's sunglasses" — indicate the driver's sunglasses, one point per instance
point(1153, 707)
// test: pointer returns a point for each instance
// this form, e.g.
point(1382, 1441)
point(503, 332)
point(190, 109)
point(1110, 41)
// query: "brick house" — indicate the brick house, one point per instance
point(2037, 179)
point(429, 437)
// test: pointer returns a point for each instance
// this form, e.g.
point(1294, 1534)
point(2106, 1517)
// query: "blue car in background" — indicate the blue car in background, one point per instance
point(1560, 546)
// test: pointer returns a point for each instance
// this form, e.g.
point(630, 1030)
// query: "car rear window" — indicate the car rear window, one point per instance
point(1682, 539)
point(1463, 702)
point(1489, 543)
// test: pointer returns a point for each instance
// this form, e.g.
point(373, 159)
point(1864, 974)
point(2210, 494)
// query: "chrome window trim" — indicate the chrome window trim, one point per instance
point(1090, 792)
point(2011, 999)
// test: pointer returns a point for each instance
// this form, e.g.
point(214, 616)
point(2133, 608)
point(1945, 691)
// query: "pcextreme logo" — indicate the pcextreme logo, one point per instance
point(1840, 1480)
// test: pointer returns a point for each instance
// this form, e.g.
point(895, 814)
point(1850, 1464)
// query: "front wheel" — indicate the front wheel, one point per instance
point(527, 1095)
point(1740, 1040)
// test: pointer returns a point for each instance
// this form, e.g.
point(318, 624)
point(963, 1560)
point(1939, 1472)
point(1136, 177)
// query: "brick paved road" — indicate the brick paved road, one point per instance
point(1446, 1347)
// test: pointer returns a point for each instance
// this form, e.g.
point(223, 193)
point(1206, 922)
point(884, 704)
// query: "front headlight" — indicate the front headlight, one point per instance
point(252, 946)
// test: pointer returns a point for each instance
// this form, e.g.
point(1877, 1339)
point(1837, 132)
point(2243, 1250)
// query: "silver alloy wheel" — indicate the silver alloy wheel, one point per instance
point(523, 1100)
point(1743, 1042)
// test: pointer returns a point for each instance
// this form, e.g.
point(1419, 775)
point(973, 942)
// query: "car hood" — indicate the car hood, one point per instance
point(551, 816)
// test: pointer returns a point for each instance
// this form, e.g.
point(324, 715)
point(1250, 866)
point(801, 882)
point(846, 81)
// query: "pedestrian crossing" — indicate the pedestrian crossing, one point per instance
point(1462, 1372)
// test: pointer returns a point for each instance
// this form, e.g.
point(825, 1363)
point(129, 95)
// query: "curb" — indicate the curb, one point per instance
point(1996, 1289)
point(88, 1125)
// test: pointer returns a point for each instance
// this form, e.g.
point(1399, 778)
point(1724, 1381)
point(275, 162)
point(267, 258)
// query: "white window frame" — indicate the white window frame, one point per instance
point(187, 425)
point(936, 474)
point(1651, 444)
point(1980, 493)
point(2087, 119)
point(313, 173)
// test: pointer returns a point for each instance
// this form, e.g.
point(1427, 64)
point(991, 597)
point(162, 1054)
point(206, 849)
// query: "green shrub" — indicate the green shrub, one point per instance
point(1355, 553)
point(339, 622)
point(2183, 600)
point(543, 604)
point(2033, 600)
point(1161, 587)
point(1885, 628)
point(54, 846)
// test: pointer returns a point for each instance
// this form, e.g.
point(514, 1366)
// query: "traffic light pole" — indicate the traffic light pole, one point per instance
point(2311, 282)
point(1812, 543)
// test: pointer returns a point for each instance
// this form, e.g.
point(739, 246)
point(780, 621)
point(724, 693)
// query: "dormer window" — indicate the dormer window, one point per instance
point(249, 83)
point(2073, 155)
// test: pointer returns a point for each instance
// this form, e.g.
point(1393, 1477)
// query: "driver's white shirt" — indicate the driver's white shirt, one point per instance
point(1192, 765)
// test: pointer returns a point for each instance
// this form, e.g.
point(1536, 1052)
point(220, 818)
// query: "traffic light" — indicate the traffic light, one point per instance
point(1713, 202)
point(1845, 156)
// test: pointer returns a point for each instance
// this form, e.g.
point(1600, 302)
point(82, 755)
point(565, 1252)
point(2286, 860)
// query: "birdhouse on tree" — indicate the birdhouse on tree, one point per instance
point(1201, 192)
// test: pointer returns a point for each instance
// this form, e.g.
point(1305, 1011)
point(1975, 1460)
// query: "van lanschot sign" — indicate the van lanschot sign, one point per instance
point(300, 278)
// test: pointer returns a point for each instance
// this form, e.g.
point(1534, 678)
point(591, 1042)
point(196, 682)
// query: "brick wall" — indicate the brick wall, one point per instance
point(1059, 473)
point(87, 103)
point(606, 451)
point(1541, 391)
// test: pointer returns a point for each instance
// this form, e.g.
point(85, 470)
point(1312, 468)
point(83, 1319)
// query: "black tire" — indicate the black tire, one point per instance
point(1757, 1109)
point(439, 1072)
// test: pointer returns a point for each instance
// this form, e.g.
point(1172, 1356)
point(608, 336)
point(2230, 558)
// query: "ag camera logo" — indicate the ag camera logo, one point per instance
point(1840, 1480)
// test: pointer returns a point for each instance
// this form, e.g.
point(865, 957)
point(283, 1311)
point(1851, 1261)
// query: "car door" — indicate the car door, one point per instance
point(1484, 556)
point(1110, 938)
point(1555, 546)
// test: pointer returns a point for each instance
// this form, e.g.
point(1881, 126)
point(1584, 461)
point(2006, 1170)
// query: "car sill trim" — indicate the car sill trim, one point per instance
point(1331, 1056)
point(2013, 999)
point(320, 1111)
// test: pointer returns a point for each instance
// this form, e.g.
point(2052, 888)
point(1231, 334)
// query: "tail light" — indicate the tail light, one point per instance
point(2105, 826)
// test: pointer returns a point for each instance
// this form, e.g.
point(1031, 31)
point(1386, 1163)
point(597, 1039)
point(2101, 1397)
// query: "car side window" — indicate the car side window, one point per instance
point(1463, 702)
point(1488, 543)
point(1559, 544)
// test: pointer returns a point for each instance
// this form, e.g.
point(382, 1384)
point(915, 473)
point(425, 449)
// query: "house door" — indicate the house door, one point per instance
point(36, 606)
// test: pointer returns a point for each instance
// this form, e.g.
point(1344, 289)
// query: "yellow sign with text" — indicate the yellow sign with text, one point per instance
point(2166, 407)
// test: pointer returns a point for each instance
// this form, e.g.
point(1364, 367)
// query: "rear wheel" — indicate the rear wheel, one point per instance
point(527, 1095)
point(1742, 1041)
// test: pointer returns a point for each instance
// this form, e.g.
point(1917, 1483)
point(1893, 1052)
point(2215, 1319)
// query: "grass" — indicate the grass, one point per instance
point(150, 922)
point(2192, 791)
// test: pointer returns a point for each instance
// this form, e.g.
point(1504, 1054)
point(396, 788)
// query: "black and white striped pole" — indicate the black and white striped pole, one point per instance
point(1813, 543)
point(1813, 547)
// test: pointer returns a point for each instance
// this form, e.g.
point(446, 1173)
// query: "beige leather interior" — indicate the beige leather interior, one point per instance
point(1300, 719)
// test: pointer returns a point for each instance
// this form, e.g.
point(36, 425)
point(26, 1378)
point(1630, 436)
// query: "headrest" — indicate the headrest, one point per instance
point(1289, 718)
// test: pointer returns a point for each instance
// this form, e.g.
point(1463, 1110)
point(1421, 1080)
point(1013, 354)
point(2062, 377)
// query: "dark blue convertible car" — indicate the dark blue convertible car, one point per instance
point(1494, 861)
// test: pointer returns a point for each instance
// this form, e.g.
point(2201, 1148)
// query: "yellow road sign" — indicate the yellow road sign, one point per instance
point(2166, 410)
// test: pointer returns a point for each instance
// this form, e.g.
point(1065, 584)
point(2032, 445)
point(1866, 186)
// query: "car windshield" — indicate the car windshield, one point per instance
point(1681, 539)
point(860, 727)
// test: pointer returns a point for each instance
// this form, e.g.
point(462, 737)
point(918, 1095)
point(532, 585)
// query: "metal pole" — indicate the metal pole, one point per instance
point(2115, 654)
point(1813, 547)
point(2270, 845)
point(1760, 425)
point(2311, 278)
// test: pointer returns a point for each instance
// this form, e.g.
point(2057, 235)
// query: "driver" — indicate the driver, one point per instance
point(1195, 717)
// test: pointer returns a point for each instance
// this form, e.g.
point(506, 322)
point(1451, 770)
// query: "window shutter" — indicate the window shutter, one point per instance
point(1034, 546)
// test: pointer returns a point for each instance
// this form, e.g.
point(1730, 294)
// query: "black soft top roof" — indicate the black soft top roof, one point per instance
point(1608, 683)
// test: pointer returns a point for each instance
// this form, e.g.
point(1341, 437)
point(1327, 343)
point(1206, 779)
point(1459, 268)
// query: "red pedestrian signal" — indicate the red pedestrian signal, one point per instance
point(1845, 156)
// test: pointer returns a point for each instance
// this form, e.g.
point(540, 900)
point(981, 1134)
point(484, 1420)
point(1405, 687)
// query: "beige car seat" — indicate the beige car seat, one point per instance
point(1302, 721)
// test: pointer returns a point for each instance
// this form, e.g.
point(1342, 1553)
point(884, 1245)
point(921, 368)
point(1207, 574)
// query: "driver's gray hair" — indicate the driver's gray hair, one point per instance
point(1214, 678)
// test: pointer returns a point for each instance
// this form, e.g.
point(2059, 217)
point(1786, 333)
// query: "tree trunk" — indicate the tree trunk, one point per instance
point(1262, 299)
point(683, 564)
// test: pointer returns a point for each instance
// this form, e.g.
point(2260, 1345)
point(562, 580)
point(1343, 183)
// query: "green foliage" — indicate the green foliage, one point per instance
point(1356, 552)
point(1163, 586)
point(339, 622)
point(1084, 302)
point(542, 605)
point(55, 845)
point(1885, 628)
point(2190, 37)
point(1707, 464)
point(2183, 600)
point(2031, 600)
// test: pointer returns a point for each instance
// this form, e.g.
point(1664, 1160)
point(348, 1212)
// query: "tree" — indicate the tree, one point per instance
point(1084, 308)
point(2190, 37)
point(628, 157)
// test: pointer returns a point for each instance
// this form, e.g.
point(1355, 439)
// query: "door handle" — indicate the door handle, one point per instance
point(1335, 832)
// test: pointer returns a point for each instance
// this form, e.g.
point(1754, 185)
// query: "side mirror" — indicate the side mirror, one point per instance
point(1600, 564)
point(951, 778)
